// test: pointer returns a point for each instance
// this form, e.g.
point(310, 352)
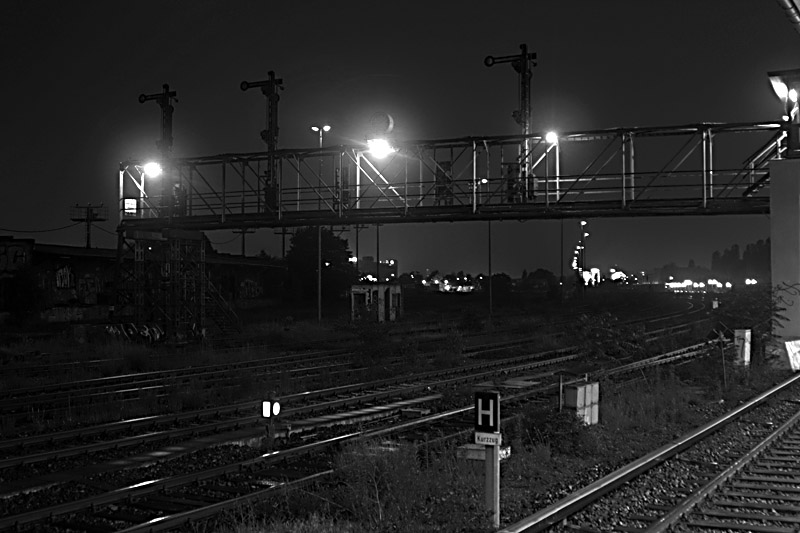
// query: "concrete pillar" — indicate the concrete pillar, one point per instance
point(785, 241)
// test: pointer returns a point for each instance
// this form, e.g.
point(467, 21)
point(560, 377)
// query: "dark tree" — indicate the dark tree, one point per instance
point(338, 273)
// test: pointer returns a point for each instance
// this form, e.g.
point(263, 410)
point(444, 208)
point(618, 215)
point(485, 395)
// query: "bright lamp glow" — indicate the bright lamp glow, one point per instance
point(379, 148)
point(551, 137)
point(326, 128)
point(152, 169)
point(780, 88)
point(784, 82)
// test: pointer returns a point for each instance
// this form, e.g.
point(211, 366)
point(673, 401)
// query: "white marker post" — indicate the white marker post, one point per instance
point(487, 432)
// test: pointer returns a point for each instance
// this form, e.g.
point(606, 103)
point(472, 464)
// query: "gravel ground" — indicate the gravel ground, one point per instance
point(662, 485)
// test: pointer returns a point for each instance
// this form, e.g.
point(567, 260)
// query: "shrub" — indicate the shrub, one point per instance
point(387, 489)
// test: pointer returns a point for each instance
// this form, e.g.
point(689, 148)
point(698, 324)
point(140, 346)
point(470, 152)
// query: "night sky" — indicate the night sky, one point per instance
point(72, 72)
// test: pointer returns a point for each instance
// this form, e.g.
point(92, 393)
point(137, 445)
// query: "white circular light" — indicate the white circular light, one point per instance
point(551, 137)
point(379, 148)
point(781, 89)
point(152, 169)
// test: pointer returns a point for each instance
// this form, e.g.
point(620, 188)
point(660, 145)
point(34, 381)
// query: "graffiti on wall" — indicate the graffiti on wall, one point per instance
point(65, 278)
point(12, 258)
point(148, 333)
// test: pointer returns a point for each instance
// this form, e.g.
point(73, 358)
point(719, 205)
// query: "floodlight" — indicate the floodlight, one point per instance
point(786, 84)
point(783, 81)
point(380, 148)
point(152, 169)
point(551, 137)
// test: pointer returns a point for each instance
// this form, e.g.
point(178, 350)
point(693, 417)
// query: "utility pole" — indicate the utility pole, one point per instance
point(88, 214)
point(523, 64)
point(243, 231)
point(283, 233)
point(269, 88)
point(164, 100)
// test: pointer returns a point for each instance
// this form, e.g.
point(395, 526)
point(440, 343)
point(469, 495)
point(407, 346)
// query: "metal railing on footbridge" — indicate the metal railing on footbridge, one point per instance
point(706, 168)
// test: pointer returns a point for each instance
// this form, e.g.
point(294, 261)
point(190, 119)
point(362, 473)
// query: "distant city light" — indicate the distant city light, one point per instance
point(750, 281)
point(728, 285)
point(152, 169)
point(327, 263)
point(353, 259)
point(484, 181)
point(380, 148)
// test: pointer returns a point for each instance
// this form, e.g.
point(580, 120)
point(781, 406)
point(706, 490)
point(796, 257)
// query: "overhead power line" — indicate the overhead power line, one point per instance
point(39, 230)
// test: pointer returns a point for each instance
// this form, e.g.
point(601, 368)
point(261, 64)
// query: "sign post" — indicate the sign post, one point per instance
point(487, 432)
point(269, 410)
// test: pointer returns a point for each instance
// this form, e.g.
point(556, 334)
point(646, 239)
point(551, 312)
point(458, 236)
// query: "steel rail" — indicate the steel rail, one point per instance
point(397, 387)
point(171, 521)
point(585, 496)
point(144, 488)
point(145, 377)
point(253, 406)
point(665, 522)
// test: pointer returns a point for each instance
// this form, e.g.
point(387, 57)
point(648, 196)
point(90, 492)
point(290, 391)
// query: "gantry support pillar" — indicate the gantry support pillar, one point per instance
point(785, 241)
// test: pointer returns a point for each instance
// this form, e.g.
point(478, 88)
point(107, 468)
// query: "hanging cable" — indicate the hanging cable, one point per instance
point(40, 230)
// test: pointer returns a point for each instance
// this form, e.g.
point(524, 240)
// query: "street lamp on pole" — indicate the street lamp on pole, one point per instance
point(322, 130)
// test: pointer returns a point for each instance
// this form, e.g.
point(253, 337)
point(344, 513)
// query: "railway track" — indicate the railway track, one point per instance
point(153, 501)
point(368, 407)
point(736, 473)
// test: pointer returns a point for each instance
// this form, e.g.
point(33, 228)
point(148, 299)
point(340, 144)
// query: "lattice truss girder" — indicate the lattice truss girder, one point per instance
point(162, 279)
point(616, 171)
